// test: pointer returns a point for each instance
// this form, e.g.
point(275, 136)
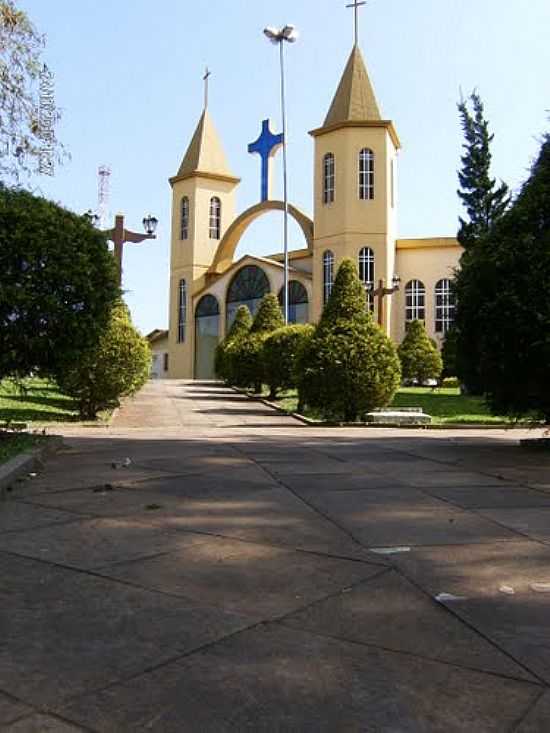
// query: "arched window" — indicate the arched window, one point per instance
point(415, 301)
point(366, 273)
point(297, 302)
point(182, 311)
point(248, 287)
point(328, 178)
point(444, 306)
point(184, 222)
point(366, 174)
point(328, 274)
point(215, 224)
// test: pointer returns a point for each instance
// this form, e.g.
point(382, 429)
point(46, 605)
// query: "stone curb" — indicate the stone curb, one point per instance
point(326, 424)
point(26, 462)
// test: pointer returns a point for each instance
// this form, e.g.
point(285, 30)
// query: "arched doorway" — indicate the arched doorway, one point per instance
point(298, 308)
point(207, 332)
point(248, 287)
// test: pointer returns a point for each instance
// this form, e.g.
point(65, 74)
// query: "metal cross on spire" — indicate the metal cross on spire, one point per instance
point(205, 78)
point(356, 5)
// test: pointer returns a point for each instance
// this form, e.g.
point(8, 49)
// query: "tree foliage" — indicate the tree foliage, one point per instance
point(349, 366)
point(280, 354)
point(419, 356)
point(269, 316)
point(504, 300)
point(118, 366)
point(59, 283)
point(485, 202)
point(224, 363)
point(21, 133)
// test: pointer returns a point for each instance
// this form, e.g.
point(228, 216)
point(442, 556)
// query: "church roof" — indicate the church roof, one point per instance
point(354, 100)
point(205, 154)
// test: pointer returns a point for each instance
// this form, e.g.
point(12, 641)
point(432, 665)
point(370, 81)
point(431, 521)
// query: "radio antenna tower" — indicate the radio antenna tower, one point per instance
point(103, 179)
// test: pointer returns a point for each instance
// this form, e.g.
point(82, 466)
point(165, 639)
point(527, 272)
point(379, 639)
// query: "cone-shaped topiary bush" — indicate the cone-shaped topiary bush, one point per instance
point(349, 366)
point(246, 353)
point(420, 357)
point(280, 353)
point(239, 329)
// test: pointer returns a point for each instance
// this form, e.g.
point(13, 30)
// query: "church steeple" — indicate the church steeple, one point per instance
point(354, 100)
point(205, 154)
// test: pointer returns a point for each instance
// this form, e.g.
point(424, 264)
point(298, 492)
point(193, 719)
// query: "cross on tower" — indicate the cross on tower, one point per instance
point(356, 5)
point(205, 78)
point(266, 146)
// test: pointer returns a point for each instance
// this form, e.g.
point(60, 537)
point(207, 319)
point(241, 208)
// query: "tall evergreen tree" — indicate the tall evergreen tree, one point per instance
point(485, 202)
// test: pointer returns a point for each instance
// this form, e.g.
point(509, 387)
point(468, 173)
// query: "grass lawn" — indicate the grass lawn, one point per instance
point(445, 405)
point(40, 402)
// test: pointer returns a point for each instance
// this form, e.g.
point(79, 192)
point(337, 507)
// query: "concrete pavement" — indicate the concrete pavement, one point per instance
point(246, 572)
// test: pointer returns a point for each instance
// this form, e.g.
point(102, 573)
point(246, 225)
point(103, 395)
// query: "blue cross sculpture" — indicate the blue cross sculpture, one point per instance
point(266, 146)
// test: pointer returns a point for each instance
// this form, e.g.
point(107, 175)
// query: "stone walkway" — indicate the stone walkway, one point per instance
point(247, 573)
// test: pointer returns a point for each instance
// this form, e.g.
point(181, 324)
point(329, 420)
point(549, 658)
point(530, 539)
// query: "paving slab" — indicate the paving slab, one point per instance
point(11, 709)
point(406, 519)
point(538, 718)
point(96, 543)
point(15, 516)
point(277, 679)
point(245, 578)
point(479, 497)
point(493, 589)
point(66, 632)
point(390, 612)
point(357, 480)
point(237, 480)
point(273, 516)
point(534, 523)
point(43, 724)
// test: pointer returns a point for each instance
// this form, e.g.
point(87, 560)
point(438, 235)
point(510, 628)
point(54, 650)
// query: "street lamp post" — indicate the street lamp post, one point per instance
point(120, 236)
point(279, 36)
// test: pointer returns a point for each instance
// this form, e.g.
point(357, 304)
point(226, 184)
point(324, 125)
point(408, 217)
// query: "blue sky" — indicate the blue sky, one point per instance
point(129, 81)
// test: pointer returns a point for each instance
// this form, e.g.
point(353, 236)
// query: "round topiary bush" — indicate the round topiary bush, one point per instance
point(280, 352)
point(420, 357)
point(223, 363)
point(246, 353)
point(349, 367)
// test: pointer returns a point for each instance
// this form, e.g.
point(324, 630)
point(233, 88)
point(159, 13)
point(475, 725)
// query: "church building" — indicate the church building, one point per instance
point(354, 215)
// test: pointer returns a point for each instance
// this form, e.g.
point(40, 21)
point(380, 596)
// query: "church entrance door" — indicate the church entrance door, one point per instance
point(207, 332)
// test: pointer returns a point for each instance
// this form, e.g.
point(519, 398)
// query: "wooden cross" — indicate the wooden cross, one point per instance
point(356, 5)
point(207, 75)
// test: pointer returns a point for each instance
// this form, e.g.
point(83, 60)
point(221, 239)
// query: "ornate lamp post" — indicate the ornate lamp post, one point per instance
point(120, 236)
point(279, 36)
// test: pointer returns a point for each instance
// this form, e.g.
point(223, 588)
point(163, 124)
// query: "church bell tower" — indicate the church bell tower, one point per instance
point(355, 180)
point(203, 206)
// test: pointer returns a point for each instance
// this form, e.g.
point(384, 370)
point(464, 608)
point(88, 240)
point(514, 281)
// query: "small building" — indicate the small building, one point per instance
point(158, 341)
point(354, 215)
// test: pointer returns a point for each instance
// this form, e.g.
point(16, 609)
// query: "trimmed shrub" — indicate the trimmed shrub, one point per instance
point(246, 353)
point(240, 327)
point(117, 367)
point(420, 357)
point(280, 352)
point(349, 367)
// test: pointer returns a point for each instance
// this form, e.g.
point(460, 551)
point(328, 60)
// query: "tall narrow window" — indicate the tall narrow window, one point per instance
point(366, 174)
point(184, 223)
point(215, 226)
point(444, 306)
point(328, 178)
point(182, 311)
point(415, 301)
point(328, 274)
point(366, 274)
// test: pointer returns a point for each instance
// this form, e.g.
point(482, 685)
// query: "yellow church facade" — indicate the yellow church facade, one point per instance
point(354, 215)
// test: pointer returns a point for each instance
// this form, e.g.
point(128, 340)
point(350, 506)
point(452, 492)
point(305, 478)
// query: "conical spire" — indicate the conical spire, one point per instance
point(354, 100)
point(205, 153)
